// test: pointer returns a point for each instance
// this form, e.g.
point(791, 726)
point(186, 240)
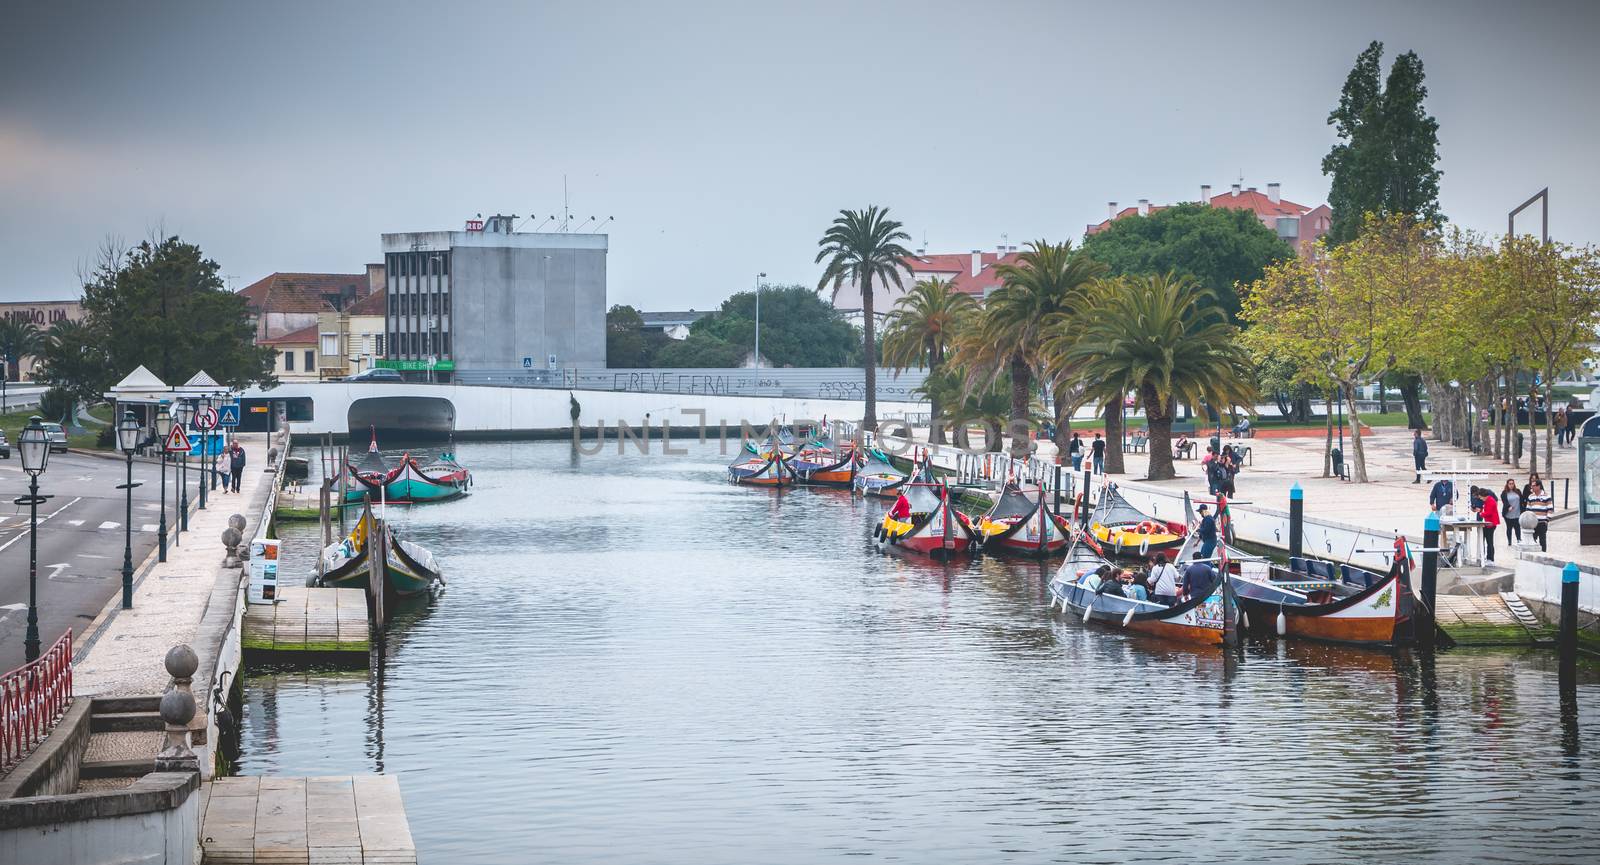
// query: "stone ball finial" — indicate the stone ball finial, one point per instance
point(231, 537)
point(237, 521)
point(182, 662)
point(177, 707)
point(272, 456)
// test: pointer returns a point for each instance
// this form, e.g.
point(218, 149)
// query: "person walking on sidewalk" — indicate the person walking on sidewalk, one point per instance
point(1489, 512)
point(1075, 450)
point(1099, 450)
point(1511, 511)
point(1419, 452)
point(236, 464)
point(1539, 504)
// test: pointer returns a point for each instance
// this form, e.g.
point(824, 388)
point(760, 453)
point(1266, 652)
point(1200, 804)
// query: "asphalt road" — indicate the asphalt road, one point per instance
point(81, 538)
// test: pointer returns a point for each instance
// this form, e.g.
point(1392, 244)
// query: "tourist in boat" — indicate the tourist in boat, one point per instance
point(1539, 504)
point(1163, 580)
point(1489, 512)
point(1207, 532)
point(1133, 586)
point(1094, 578)
point(1111, 584)
point(1511, 511)
point(901, 509)
point(1197, 579)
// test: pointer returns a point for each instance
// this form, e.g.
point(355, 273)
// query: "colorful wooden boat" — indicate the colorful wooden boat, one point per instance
point(1021, 524)
point(1328, 601)
point(439, 481)
point(933, 527)
point(1117, 528)
point(1199, 619)
point(370, 475)
point(408, 568)
point(766, 469)
point(820, 463)
point(876, 475)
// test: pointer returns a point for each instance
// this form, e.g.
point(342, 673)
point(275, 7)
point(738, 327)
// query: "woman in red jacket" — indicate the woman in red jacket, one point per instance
point(1489, 512)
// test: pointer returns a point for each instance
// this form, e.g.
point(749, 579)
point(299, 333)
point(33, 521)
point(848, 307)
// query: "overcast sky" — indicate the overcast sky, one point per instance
point(723, 137)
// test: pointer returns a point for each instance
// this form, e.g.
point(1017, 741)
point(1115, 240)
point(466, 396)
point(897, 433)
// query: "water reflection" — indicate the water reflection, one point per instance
point(636, 662)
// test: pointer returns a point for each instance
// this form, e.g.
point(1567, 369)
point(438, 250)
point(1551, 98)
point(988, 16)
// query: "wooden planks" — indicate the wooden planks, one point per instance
point(354, 819)
point(308, 619)
point(1472, 620)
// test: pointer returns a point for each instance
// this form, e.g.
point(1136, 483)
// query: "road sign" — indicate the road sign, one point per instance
point(178, 441)
point(205, 419)
point(527, 363)
point(228, 414)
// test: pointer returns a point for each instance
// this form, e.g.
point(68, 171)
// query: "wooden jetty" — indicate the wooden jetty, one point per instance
point(308, 619)
point(357, 819)
point(1499, 619)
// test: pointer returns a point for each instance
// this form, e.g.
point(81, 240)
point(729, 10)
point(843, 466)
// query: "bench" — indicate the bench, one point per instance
point(1183, 451)
point(1139, 443)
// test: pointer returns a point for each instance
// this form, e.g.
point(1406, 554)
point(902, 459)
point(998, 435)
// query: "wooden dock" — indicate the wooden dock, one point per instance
point(351, 819)
point(308, 619)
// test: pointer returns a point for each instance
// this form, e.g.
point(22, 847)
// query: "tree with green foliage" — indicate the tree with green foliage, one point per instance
point(73, 362)
point(19, 338)
point(798, 329)
point(1217, 246)
point(1047, 279)
point(863, 247)
point(163, 304)
point(919, 332)
point(1386, 161)
point(1163, 339)
point(628, 344)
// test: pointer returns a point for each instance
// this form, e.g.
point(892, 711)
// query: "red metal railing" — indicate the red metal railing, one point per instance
point(32, 699)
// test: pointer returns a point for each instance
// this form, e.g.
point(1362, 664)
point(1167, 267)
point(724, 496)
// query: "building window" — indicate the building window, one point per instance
point(288, 361)
point(311, 360)
point(330, 344)
point(446, 338)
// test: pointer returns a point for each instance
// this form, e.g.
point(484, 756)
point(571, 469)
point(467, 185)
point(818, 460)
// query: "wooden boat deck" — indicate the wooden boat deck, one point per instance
point(355, 819)
point(308, 619)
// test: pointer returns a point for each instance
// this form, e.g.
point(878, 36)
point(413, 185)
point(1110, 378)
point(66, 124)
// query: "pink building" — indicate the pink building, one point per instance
point(972, 273)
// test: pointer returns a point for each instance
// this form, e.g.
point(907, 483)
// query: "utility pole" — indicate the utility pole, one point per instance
point(759, 277)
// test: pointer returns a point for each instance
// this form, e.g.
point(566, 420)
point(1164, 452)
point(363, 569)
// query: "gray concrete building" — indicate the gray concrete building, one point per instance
point(490, 299)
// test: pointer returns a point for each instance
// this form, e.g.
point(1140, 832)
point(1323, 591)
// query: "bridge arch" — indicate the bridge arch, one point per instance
point(402, 417)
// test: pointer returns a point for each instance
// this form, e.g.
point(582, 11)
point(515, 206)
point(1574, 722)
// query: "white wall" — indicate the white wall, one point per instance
point(158, 837)
point(1539, 578)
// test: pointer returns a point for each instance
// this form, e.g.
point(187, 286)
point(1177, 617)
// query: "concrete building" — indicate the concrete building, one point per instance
point(674, 325)
point(972, 273)
point(490, 299)
point(44, 314)
point(351, 340)
point(1298, 225)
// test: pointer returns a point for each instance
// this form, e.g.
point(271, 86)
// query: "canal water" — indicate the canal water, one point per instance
point(635, 662)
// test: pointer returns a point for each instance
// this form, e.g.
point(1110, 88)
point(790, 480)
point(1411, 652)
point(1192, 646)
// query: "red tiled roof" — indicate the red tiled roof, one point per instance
point(372, 304)
point(960, 264)
point(303, 336)
point(301, 292)
point(1247, 199)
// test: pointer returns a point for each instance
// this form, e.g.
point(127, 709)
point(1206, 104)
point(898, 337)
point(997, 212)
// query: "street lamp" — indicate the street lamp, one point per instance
point(34, 443)
point(163, 429)
point(185, 414)
point(759, 277)
point(128, 431)
point(201, 412)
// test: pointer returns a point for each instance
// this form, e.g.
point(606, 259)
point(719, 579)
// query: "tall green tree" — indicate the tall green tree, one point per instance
point(1163, 339)
point(73, 361)
point(1386, 159)
point(163, 304)
point(798, 328)
point(19, 338)
point(919, 333)
point(863, 247)
point(1047, 279)
point(628, 344)
point(1217, 246)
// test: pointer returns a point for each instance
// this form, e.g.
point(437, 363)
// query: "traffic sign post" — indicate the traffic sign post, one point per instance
point(228, 415)
point(178, 441)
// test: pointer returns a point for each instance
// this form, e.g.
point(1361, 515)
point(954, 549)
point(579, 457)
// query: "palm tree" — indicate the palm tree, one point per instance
point(918, 332)
point(862, 246)
point(986, 407)
point(19, 338)
point(1166, 339)
point(1048, 279)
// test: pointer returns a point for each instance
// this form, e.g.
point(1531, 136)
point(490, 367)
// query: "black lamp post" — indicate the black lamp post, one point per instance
point(201, 416)
point(128, 431)
point(163, 429)
point(34, 443)
point(185, 414)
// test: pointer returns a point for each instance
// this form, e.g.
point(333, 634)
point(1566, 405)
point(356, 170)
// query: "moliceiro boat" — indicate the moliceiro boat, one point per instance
point(406, 483)
point(877, 476)
point(1021, 523)
point(923, 521)
point(1117, 528)
point(821, 463)
point(1202, 619)
point(408, 568)
point(765, 469)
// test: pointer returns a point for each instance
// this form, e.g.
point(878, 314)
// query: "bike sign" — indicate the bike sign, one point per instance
point(205, 419)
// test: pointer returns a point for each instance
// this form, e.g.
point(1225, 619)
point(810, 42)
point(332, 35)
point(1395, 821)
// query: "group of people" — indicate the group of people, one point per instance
point(1561, 423)
point(1507, 507)
point(1096, 452)
point(1160, 583)
point(1220, 469)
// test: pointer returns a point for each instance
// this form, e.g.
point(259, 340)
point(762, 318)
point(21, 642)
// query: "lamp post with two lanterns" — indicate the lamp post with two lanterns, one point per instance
point(163, 429)
point(128, 433)
point(34, 443)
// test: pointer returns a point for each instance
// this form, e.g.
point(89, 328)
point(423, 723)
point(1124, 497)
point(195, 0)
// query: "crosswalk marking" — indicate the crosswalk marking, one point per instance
point(109, 525)
point(149, 527)
point(74, 522)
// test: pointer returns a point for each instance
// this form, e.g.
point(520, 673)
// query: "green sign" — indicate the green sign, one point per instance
point(415, 365)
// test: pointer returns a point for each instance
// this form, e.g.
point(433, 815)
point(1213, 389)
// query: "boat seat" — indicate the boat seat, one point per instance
point(1297, 564)
point(1320, 569)
point(1355, 576)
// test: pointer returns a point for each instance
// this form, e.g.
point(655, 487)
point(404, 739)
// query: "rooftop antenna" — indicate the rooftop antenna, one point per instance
point(543, 224)
point(566, 207)
point(597, 228)
point(585, 222)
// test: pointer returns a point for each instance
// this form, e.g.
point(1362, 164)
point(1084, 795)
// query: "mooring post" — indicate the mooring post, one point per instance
point(1058, 487)
point(1084, 497)
point(1297, 521)
point(1424, 618)
point(1568, 641)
